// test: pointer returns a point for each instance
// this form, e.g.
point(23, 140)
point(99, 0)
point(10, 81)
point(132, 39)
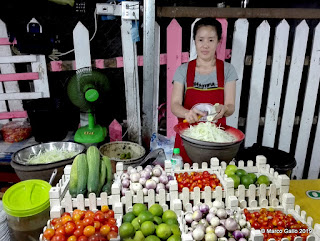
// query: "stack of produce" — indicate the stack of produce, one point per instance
point(216, 223)
point(90, 173)
point(83, 226)
point(148, 178)
point(240, 176)
point(150, 225)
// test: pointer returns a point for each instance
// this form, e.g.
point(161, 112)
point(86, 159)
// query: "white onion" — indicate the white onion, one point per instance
point(123, 191)
point(197, 215)
point(156, 172)
point(242, 223)
point(245, 232)
point(151, 184)
point(168, 186)
point(209, 229)
point(133, 170)
point(204, 222)
point(210, 237)
point(195, 208)
point(145, 174)
point(134, 177)
point(194, 224)
point(213, 210)
point(198, 234)
point(163, 179)
point(142, 181)
point(125, 176)
point(136, 187)
point(215, 221)
point(188, 218)
point(145, 191)
point(125, 183)
point(160, 186)
point(209, 216)
point(156, 179)
point(221, 213)
point(217, 204)
point(220, 231)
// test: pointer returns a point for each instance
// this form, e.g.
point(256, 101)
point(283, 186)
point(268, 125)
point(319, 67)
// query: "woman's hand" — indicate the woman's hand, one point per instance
point(192, 115)
point(221, 111)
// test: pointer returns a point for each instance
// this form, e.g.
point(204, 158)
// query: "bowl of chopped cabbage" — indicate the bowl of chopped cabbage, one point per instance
point(39, 161)
point(204, 140)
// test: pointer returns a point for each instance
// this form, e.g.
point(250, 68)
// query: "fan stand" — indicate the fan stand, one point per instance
point(91, 133)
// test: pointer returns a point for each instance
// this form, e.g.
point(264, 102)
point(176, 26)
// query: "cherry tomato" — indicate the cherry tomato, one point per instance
point(89, 214)
point(110, 213)
point(69, 228)
point(111, 221)
point(78, 232)
point(65, 214)
point(89, 231)
point(76, 217)
point(48, 233)
point(97, 225)
point(82, 238)
point(114, 228)
point(58, 237)
point(60, 231)
point(72, 238)
point(99, 217)
point(111, 235)
point(65, 219)
point(88, 221)
point(104, 208)
point(55, 221)
point(104, 230)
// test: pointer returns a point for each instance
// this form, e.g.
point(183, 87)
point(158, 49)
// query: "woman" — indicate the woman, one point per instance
point(203, 80)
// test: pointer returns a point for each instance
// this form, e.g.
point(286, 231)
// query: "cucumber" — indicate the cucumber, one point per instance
point(93, 159)
point(103, 175)
point(73, 183)
point(107, 187)
point(82, 174)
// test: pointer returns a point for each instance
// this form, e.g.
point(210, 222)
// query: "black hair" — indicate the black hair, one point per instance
point(208, 22)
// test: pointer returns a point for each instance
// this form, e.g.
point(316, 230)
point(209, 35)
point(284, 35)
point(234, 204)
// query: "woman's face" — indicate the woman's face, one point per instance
point(206, 41)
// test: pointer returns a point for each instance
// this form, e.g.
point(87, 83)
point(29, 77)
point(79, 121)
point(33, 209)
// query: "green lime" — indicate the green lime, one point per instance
point(229, 172)
point(147, 228)
point(175, 237)
point(128, 217)
point(138, 208)
point(135, 224)
point(246, 180)
point(263, 179)
point(152, 238)
point(236, 180)
point(126, 230)
point(139, 236)
point(156, 210)
point(163, 231)
point(175, 229)
point(145, 216)
point(253, 176)
point(157, 220)
point(169, 214)
point(240, 172)
point(231, 167)
point(171, 221)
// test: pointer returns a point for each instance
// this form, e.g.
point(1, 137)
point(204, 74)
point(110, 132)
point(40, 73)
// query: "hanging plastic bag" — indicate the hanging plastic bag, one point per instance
point(63, 2)
point(160, 141)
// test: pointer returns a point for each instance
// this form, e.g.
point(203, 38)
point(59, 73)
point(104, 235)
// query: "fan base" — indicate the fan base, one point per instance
point(90, 135)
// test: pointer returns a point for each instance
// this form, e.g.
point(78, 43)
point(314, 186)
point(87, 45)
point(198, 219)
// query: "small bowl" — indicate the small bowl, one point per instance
point(113, 150)
point(43, 171)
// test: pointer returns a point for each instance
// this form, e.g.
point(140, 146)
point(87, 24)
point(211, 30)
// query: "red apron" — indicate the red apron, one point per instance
point(194, 96)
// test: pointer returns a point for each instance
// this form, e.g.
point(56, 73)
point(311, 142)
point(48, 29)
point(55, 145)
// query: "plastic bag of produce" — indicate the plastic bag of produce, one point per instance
point(160, 141)
point(16, 131)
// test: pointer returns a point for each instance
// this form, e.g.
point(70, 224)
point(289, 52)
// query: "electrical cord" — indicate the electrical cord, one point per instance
point(56, 54)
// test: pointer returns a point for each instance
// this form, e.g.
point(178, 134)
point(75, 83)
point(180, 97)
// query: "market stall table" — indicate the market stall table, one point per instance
point(307, 193)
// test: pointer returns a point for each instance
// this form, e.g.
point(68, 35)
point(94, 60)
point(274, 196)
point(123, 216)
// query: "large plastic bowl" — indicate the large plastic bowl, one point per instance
point(27, 171)
point(203, 151)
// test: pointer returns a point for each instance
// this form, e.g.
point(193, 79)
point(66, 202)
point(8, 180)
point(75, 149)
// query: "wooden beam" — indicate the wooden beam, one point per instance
point(201, 12)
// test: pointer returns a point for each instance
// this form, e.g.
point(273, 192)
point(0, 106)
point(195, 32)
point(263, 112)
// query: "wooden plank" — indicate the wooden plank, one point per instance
point(9, 68)
point(19, 76)
point(174, 49)
point(293, 86)
point(41, 84)
point(14, 114)
point(309, 102)
point(81, 45)
point(131, 78)
point(239, 45)
point(276, 81)
point(17, 58)
point(265, 13)
point(21, 96)
point(149, 90)
point(257, 79)
point(156, 79)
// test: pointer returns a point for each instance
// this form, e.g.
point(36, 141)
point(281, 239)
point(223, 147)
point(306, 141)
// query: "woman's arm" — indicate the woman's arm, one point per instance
point(229, 101)
point(176, 105)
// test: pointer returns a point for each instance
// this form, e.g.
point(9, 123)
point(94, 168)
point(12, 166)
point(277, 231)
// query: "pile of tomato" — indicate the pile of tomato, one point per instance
point(83, 226)
point(276, 224)
point(197, 179)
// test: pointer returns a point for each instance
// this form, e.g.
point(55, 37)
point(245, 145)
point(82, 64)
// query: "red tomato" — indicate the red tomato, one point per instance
point(65, 219)
point(111, 235)
point(58, 237)
point(97, 237)
point(110, 213)
point(69, 228)
point(88, 221)
point(99, 217)
point(72, 238)
point(60, 231)
point(55, 221)
point(104, 230)
point(111, 221)
point(78, 232)
point(48, 233)
point(104, 208)
point(89, 231)
point(66, 214)
point(114, 228)
point(97, 225)
point(76, 217)
point(82, 238)
point(89, 214)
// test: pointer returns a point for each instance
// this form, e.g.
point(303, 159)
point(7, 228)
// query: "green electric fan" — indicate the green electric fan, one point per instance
point(85, 89)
